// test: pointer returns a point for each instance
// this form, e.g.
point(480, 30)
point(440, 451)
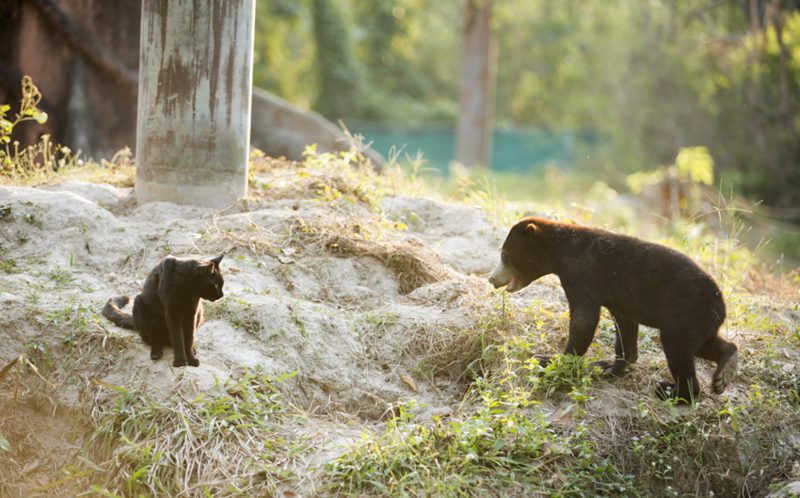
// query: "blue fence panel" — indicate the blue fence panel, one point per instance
point(515, 149)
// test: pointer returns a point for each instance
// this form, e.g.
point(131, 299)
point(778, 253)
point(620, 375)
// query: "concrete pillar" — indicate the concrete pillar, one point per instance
point(195, 84)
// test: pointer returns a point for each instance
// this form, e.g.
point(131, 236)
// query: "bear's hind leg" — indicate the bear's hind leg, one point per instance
point(680, 359)
point(626, 347)
point(725, 355)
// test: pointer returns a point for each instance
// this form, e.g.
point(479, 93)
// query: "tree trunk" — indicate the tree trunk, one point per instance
point(195, 83)
point(473, 131)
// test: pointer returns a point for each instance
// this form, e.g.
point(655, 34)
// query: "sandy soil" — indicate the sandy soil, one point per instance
point(354, 327)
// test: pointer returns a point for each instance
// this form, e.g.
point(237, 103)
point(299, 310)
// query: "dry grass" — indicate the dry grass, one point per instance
point(65, 166)
point(413, 265)
point(227, 445)
point(323, 177)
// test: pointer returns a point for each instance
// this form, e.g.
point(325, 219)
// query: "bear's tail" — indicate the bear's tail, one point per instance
point(113, 311)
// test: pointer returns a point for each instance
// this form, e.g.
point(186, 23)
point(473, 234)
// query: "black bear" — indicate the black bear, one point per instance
point(638, 282)
point(168, 310)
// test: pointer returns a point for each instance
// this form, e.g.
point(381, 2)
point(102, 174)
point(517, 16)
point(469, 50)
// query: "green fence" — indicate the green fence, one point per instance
point(518, 149)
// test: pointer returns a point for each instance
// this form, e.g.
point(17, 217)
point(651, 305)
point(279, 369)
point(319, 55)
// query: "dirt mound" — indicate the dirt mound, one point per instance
point(364, 304)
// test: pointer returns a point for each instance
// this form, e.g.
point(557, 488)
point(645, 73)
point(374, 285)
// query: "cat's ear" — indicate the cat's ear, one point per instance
point(218, 259)
point(204, 268)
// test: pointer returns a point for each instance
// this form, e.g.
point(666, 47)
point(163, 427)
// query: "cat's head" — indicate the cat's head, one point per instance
point(209, 278)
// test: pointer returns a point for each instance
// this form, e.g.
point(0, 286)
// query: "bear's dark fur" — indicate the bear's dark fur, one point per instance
point(638, 282)
point(168, 310)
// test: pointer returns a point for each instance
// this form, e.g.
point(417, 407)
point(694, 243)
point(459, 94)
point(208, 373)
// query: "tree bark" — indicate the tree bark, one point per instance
point(195, 84)
point(473, 130)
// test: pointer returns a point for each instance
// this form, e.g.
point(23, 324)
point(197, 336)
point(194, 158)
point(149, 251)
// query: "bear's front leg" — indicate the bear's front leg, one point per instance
point(583, 320)
point(626, 346)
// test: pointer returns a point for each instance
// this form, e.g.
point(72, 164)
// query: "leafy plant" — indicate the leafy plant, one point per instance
point(28, 111)
point(42, 157)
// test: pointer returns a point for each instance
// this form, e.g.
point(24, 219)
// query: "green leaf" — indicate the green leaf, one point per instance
point(40, 116)
point(696, 164)
point(499, 444)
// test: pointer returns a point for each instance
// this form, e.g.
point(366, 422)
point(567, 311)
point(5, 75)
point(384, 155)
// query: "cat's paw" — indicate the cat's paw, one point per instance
point(178, 363)
point(156, 353)
point(193, 362)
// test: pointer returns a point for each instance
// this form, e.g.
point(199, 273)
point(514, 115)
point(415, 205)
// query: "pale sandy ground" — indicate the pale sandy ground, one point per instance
point(342, 323)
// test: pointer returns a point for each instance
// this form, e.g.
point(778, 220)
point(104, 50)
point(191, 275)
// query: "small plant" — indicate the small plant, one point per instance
point(240, 314)
point(61, 277)
point(562, 373)
point(42, 157)
point(33, 220)
point(28, 111)
point(505, 446)
point(7, 265)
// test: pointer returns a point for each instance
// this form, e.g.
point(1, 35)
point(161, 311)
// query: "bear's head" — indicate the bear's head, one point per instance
point(527, 254)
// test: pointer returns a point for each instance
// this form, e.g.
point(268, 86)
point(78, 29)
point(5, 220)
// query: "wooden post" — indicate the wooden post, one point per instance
point(195, 84)
point(473, 130)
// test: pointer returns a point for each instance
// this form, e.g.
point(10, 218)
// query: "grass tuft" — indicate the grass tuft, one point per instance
point(208, 446)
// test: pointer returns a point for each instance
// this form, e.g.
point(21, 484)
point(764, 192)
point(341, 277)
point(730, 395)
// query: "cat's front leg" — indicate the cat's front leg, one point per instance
point(176, 334)
point(189, 330)
point(156, 351)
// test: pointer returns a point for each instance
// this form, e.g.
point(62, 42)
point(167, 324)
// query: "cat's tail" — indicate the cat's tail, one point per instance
point(113, 311)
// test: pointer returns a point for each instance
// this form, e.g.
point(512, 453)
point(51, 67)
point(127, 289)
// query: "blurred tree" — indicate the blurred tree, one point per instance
point(340, 80)
point(283, 59)
point(648, 78)
point(476, 103)
point(644, 79)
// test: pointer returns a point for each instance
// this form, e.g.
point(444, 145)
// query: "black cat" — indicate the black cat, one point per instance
point(168, 310)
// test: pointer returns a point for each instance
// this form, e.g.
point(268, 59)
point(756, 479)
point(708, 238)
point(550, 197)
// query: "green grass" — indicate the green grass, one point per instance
point(503, 443)
point(238, 313)
point(525, 429)
point(7, 264)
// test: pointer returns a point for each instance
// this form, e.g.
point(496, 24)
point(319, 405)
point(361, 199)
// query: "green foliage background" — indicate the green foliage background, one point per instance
point(647, 78)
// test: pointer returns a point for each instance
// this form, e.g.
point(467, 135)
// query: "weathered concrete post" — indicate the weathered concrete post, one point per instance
point(195, 83)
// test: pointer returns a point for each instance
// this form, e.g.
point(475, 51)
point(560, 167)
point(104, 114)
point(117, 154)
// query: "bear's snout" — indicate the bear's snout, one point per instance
point(494, 281)
point(501, 275)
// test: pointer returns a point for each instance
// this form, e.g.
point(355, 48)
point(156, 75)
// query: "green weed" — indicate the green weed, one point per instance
point(7, 265)
point(33, 219)
point(506, 445)
point(239, 313)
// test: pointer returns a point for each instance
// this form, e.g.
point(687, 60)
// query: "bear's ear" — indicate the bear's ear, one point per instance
point(532, 230)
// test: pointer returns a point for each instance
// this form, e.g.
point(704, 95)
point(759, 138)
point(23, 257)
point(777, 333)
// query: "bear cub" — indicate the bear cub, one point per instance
point(639, 283)
point(168, 310)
